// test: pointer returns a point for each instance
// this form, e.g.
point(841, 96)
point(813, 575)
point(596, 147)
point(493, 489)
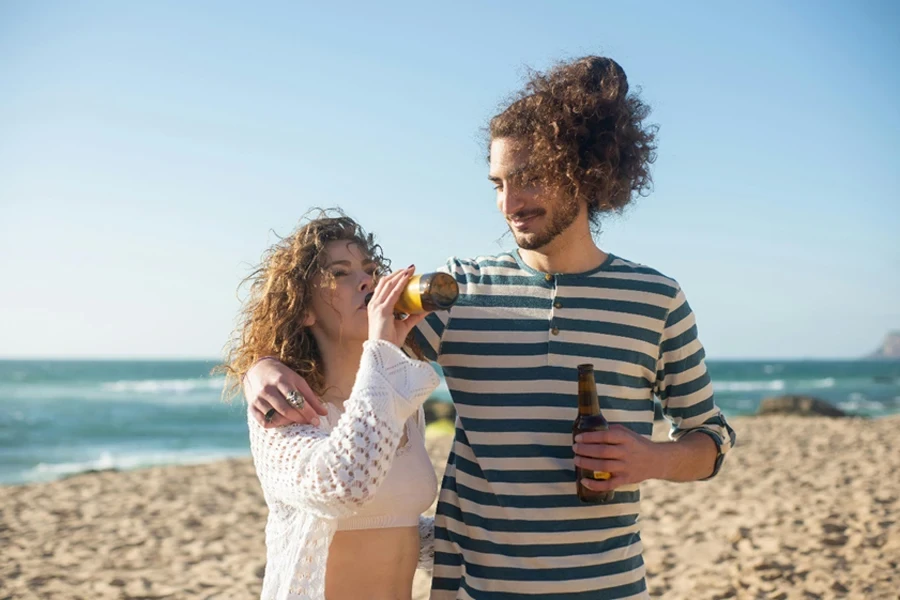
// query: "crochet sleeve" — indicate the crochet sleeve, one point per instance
point(332, 474)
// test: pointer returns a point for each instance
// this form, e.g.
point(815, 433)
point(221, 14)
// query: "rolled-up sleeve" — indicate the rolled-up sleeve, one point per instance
point(683, 385)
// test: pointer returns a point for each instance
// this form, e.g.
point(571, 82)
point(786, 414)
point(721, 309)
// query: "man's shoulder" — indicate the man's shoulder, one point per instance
point(483, 264)
point(624, 268)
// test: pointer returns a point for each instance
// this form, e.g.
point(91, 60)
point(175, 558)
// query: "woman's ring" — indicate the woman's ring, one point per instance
point(270, 414)
point(296, 400)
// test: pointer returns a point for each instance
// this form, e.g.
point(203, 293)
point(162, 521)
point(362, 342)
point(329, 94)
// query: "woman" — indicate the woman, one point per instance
point(345, 497)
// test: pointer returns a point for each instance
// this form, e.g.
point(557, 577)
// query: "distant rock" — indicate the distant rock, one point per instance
point(890, 347)
point(437, 410)
point(806, 406)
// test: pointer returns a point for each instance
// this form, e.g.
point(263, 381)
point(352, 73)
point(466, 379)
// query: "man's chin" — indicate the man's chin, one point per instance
point(529, 241)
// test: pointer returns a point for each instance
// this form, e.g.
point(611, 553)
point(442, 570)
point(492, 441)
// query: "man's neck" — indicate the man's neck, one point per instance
point(340, 363)
point(572, 251)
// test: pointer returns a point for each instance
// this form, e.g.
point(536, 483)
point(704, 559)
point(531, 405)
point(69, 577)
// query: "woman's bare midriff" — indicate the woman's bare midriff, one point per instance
point(376, 564)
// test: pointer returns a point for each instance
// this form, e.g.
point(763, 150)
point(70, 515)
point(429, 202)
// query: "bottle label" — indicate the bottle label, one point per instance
point(601, 475)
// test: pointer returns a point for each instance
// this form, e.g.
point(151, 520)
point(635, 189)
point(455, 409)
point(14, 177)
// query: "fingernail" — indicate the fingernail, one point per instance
point(411, 266)
point(315, 422)
point(578, 438)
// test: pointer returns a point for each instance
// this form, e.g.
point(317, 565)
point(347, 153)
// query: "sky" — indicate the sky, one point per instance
point(150, 152)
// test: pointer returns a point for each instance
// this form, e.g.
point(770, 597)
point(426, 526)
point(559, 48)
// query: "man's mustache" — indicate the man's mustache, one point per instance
point(525, 215)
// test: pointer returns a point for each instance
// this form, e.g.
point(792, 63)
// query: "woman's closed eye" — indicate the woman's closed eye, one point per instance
point(343, 273)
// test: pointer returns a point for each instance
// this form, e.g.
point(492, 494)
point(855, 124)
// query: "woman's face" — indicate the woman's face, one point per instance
point(338, 311)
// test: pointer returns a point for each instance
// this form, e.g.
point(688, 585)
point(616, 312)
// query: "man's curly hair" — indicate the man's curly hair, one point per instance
point(586, 133)
point(281, 288)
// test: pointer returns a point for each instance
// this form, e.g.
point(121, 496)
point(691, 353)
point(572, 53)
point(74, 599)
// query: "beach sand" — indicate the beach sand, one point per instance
point(804, 508)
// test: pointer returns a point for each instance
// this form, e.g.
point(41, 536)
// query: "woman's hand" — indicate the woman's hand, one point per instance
point(266, 386)
point(383, 325)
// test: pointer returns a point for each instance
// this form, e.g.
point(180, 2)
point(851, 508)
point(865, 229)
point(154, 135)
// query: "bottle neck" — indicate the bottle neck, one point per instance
point(588, 403)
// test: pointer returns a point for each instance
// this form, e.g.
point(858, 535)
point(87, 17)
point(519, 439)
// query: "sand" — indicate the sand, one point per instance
point(804, 508)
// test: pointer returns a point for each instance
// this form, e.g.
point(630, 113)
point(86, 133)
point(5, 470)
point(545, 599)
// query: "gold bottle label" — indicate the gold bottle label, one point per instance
point(410, 301)
point(601, 475)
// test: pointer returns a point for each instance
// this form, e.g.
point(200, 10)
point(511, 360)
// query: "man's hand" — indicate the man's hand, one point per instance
point(631, 458)
point(267, 386)
point(627, 456)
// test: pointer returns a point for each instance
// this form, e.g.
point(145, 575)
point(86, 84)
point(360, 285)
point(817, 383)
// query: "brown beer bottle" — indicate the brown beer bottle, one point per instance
point(426, 293)
point(589, 419)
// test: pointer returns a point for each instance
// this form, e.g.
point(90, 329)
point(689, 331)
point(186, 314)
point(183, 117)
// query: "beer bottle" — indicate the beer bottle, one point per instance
point(589, 419)
point(426, 293)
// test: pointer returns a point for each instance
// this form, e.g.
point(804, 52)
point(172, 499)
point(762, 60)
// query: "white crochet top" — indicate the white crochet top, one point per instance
point(314, 477)
point(408, 489)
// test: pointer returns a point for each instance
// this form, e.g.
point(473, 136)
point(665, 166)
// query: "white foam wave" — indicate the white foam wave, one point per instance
point(748, 386)
point(125, 461)
point(773, 385)
point(827, 382)
point(860, 404)
point(157, 386)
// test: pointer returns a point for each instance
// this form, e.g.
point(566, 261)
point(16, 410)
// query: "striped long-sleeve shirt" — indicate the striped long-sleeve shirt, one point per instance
point(509, 524)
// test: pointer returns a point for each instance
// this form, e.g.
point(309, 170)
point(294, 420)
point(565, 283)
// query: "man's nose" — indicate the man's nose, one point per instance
point(510, 201)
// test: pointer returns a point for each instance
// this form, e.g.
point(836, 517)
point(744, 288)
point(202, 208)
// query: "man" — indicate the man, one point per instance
point(570, 148)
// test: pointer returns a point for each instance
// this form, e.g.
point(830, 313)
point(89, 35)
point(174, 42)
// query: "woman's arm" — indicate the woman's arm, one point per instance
point(334, 474)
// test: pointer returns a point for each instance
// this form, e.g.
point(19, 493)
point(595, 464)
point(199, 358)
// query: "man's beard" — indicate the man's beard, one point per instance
point(565, 214)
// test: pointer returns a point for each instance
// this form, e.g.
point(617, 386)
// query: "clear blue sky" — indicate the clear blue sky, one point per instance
point(147, 150)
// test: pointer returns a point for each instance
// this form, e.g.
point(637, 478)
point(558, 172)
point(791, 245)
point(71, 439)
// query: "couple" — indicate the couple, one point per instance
point(335, 405)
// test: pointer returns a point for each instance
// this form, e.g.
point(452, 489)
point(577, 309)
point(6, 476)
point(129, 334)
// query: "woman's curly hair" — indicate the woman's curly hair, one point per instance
point(281, 288)
point(586, 133)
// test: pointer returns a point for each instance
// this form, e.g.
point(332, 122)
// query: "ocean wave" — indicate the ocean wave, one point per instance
point(860, 404)
point(158, 386)
point(825, 382)
point(773, 385)
point(748, 386)
point(126, 461)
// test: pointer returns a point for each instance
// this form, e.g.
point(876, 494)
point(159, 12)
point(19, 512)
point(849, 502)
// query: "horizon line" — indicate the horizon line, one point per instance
point(151, 358)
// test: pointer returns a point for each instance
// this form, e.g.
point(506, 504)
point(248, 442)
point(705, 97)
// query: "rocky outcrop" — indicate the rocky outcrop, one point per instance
point(806, 406)
point(890, 347)
point(437, 410)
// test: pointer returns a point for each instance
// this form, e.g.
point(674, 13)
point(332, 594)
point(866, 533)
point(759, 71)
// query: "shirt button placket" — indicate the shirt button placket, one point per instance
point(554, 330)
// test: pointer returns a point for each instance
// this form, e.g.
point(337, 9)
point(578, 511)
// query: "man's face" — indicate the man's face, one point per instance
point(535, 214)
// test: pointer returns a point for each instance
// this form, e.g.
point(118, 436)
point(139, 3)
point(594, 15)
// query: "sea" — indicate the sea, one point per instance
point(59, 418)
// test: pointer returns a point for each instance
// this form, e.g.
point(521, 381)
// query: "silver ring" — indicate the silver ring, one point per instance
point(296, 400)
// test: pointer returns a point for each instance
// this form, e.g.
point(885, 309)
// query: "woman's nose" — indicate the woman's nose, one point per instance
point(367, 283)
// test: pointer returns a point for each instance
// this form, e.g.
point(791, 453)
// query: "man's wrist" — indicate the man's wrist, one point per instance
point(691, 458)
point(661, 465)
